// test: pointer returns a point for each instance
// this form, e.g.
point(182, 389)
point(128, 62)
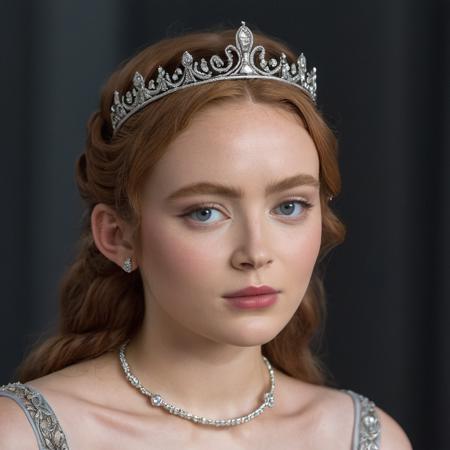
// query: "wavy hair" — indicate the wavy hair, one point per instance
point(101, 305)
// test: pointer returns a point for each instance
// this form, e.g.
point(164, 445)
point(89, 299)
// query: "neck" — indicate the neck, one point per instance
point(204, 377)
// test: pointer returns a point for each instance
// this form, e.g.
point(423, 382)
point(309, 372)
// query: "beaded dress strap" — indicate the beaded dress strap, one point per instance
point(46, 427)
point(367, 427)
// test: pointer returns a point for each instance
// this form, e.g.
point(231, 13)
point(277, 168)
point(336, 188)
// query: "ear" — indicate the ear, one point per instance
point(112, 235)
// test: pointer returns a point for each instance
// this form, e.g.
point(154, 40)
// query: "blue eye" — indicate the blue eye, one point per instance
point(205, 211)
point(303, 206)
point(202, 213)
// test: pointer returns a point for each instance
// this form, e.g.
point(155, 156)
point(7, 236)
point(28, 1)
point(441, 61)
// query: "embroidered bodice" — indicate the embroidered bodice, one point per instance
point(50, 436)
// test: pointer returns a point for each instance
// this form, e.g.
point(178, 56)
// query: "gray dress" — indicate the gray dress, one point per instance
point(50, 436)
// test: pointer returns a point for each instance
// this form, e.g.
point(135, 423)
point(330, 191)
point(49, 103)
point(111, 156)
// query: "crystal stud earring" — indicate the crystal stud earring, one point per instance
point(127, 265)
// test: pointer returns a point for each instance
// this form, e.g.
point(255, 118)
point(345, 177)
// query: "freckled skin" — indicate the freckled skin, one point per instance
point(188, 268)
point(193, 348)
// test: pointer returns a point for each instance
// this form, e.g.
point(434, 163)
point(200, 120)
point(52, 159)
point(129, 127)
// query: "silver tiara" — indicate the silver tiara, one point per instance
point(195, 73)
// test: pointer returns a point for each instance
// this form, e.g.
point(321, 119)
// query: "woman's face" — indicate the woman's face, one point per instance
point(201, 245)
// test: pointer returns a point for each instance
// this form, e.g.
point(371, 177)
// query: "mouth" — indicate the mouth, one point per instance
point(251, 291)
point(253, 301)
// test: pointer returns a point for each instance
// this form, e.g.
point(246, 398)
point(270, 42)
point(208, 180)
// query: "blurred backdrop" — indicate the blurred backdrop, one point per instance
point(383, 85)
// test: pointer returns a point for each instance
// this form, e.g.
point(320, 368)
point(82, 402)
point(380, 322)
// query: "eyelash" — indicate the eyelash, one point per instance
point(306, 205)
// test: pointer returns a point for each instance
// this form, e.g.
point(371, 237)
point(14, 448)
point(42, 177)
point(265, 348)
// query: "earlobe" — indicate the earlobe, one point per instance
point(108, 232)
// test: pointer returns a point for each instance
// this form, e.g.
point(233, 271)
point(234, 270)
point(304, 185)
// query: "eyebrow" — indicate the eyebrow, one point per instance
point(300, 179)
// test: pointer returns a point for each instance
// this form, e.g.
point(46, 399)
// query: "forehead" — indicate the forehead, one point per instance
point(242, 144)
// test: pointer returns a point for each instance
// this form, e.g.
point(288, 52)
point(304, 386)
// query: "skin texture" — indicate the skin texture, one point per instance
point(194, 347)
point(191, 332)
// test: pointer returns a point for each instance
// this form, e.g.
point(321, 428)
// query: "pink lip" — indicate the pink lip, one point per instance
point(252, 290)
point(253, 301)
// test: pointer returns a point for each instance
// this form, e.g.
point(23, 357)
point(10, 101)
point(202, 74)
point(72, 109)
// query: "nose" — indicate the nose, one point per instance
point(253, 250)
point(253, 262)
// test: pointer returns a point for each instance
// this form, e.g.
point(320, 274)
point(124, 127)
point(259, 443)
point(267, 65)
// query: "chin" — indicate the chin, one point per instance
point(253, 335)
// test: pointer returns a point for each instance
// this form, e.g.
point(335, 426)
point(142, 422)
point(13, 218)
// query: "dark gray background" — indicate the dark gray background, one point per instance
point(383, 81)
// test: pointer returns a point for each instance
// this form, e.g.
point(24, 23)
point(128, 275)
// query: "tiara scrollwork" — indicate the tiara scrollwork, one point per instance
point(242, 61)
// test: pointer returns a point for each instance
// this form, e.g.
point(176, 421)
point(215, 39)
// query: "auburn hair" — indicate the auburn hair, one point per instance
point(101, 305)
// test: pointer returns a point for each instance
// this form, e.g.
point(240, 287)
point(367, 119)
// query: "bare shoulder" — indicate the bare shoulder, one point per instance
point(78, 387)
point(337, 420)
point(87, 399)
point(81, 380)
point(338, 416)
point(393, 437)
point(340, 405)
point(324, 415)
point(16, 432)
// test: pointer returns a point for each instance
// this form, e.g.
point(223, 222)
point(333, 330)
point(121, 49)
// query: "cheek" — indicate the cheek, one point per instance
point(173, 257)
point(309, 245)
point(301, 255)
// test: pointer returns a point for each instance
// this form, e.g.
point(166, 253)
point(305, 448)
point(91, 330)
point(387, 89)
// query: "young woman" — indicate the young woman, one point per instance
point(188, 314)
